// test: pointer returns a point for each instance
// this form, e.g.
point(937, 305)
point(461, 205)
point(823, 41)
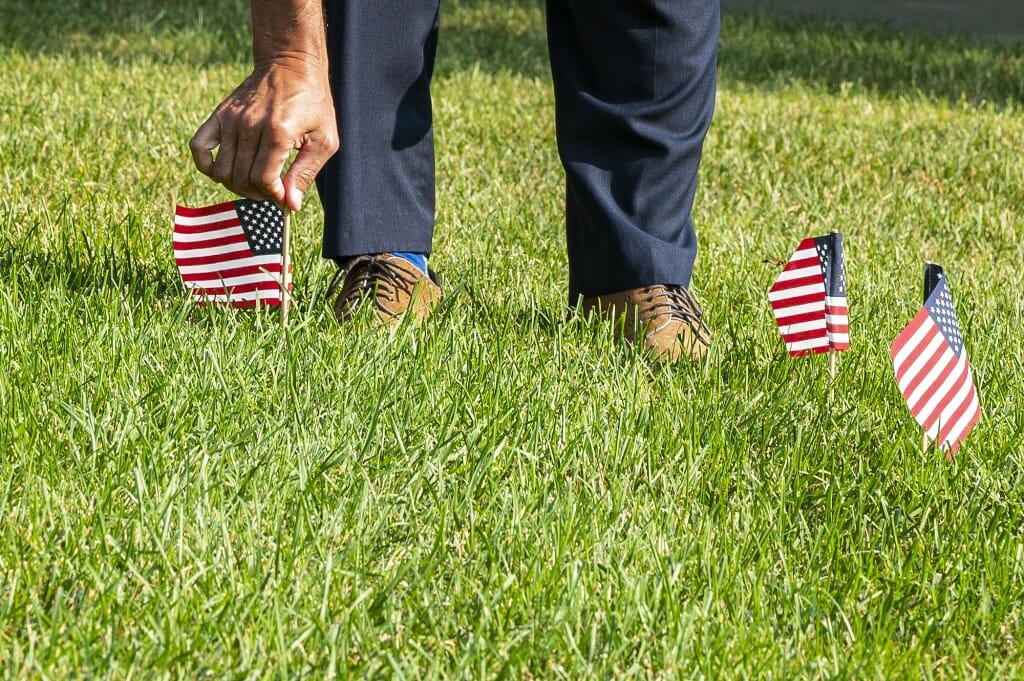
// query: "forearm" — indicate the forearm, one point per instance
point(289, 30)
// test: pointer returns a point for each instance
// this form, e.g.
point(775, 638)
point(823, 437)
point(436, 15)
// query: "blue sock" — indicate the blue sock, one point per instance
point(419, 260)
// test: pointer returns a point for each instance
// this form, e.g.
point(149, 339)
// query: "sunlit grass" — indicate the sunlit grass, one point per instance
point(191, 492)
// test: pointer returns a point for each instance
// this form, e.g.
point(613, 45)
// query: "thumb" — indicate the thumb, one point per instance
point(303, 170)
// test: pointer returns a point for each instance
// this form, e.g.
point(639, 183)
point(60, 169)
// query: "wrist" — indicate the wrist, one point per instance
point(302, 63)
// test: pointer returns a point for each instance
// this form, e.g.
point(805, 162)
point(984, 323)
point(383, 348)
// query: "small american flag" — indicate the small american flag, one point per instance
point(932, 369)
point(809, 298)
point(231, 252)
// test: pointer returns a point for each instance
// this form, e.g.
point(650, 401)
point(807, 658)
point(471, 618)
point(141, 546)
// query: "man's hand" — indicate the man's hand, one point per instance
point(284, 105)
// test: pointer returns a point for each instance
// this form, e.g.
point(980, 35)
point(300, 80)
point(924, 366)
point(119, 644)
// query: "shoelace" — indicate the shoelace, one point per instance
point(676, 302)
point(367, 275)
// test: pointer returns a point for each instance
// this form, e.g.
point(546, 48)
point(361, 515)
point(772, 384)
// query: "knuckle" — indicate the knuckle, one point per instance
point(280, 134)
point(332, 143)
point(222, 175)
point(249, 126)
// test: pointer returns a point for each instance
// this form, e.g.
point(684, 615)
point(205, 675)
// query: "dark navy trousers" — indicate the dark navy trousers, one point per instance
point(634, 93)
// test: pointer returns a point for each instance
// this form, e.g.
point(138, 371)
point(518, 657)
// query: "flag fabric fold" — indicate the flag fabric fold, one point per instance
point(230, 253)
point(932, 370)
point(809, 298)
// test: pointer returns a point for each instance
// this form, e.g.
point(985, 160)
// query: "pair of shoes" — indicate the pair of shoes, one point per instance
point(666, 316)
point(394, 285)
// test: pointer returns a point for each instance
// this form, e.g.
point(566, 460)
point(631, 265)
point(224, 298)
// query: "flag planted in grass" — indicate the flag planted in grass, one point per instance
point(231, 252)
point(931, 367)
point(809, 297)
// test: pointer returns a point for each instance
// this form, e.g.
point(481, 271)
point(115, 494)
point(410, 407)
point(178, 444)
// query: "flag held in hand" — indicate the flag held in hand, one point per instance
point(809, 297)
point(231, 252)
point(931, 367)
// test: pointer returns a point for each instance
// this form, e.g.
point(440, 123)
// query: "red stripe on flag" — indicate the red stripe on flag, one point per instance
point(927, 420)
point(220, 258)
point(796, 319)
point(186, 212)
point(268, 285)
point(242, 271)
point(799, 300)
point(263, 302)
point(908, 332)
point(957, 438)
point(925, 362)
point(812, 264)
point(804, 335)
point(799, 282)
point(211, 243)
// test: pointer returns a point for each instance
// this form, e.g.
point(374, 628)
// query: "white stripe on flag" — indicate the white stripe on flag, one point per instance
point(799, 273)
point(271, 294)
point(808, 344)
point(910, 347)
point(231, 282)
point(783, 294)
point(186, 221)
point(794, 310)
point(938, 392)
point(791, 329)
point(257, 261)
point(183, 238)
point(932, 362)
point(969, 415)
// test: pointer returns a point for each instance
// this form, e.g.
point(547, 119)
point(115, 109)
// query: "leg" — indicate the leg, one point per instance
point(378, 190)
point(634, 92)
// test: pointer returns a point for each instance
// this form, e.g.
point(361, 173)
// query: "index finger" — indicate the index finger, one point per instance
point(202, 144)
point(267, 168)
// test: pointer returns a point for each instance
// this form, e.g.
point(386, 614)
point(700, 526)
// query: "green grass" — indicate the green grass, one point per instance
point(187, 492)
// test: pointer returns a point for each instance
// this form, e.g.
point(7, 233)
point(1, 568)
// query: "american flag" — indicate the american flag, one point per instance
point(932, 369)
point(231, 252)
point(809, 297)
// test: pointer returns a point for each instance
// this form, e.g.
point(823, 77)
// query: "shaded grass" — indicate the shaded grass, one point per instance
point(186, 492)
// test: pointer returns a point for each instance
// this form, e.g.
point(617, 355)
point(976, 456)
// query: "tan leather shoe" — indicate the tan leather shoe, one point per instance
point(666, 316)
point(395, 285)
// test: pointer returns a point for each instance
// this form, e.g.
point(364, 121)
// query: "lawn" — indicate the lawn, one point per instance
point(501, 493)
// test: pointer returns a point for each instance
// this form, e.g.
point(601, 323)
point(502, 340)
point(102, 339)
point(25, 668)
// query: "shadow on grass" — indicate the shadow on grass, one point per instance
point(771, 53)
point(507, 36)
point(197, 31)
point(79, 270)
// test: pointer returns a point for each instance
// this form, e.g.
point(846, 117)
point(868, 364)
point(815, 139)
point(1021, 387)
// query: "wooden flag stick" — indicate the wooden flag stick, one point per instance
point(833, 362)
point(286, 264)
